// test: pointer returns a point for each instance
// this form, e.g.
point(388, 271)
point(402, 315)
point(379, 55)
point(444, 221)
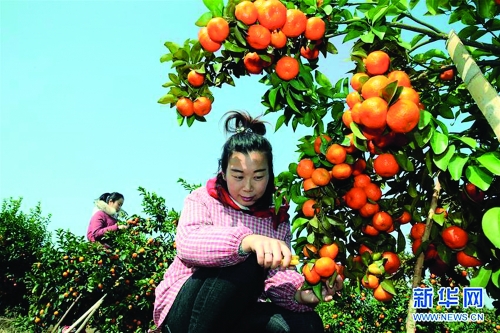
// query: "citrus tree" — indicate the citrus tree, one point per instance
point(21, 235)
point(72, 274)
point(402, 139)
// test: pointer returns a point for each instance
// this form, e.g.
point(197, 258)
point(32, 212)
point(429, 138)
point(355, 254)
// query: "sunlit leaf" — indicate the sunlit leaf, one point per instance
point(491, 225)
point(482, 278)
point(490, 161)
point(439, 142)
point(456, 166)
point(479, 177)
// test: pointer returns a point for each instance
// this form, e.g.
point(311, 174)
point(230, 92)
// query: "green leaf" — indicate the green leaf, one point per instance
point(443, 160)
point(166, 57)
point(482, 278)
point(280, 122)
point(322, 80)
point(456, 166)
point(291, 102)
point(174, 78)
point(495, 278)
point(272, 96)
point(388, 286)
point(491, 225)
point(172, 47)
point(233, 48)
point(491, 161)
point(368, 38)
point(479, 177)
point(439, 142)
point(178, 63)
point(468, 141)
point(167, 99)
point(215, 7)
point(203, 19)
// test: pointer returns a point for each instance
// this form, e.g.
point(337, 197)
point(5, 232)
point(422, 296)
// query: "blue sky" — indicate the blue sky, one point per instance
point(80, 82)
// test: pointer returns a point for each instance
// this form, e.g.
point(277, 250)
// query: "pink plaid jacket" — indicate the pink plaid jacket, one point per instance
point(208, 235)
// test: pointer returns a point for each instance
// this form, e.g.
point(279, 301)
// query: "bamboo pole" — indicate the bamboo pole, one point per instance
point(483, 93)
point(419, 265)
point(86, 316)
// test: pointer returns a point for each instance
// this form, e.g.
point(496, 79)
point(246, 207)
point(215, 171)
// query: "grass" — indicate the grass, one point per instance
point(7, 326)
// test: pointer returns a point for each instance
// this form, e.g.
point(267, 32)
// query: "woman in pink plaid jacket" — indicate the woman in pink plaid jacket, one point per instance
point(231, 273)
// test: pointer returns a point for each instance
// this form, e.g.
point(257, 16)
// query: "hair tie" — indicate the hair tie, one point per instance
point(242, 129)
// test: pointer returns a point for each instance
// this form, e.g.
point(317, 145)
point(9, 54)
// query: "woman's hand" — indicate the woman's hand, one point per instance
point(122, 226)
point(270, 251)
point(309, 298)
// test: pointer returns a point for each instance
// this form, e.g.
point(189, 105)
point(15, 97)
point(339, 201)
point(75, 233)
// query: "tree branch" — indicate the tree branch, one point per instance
point(417, 275)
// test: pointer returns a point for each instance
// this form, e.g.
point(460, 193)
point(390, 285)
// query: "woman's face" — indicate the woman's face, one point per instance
point(247, 176)
point(117, 205)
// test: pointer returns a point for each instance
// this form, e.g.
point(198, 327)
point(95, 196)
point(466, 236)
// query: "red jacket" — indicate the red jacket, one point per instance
point(102, 221)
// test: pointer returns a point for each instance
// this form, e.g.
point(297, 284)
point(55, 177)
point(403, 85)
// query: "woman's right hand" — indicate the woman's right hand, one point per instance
point(270, 251)
point(122, 226)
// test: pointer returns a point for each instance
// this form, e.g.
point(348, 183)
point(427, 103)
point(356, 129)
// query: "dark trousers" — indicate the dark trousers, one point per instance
point(224, 300)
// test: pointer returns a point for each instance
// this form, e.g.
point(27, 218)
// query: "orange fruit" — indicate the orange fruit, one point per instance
point(363, 248)
point(195, 79)
point(218, 29)
point(278, 39)
point(206, 42)
point(466, 260)
point(368, 229)
point(305, 168)
point(373, 191)
point(382, 221)
point(371, 133)
point(374, 86)
point(358, 167)
point(385, 165)
point(295, 23)
point(355, 198)
point(410, 94)
point(321, 176)
point(385, 140)
point(253, 63)
point(473, 192)
point(185, 107)
point(400, 76)
point(381, 295)
point(307, 208)
point(447, 75)
point(370, 281)
point(318, 141)
point(373, 113)
point(329, 250)
point(415, 245)
point(403, 116)
point(358, 80)
point(377, 62)
point(311, 276)
point(308, 184)
point(246, 12)
point(272, 14)
point(308, 53)
point(393, 262)
point(341, 171)
point(404, 218)
point(202, 106)
point(315, 28)
point(417, 230)
point(455, 237)
point(361, 180)
point(309, 250)
point(258, 37)
point(352, 98)
point(347, 118)
point(336, 154)
point(325, 267)
point(287, 68)
point(355, 113)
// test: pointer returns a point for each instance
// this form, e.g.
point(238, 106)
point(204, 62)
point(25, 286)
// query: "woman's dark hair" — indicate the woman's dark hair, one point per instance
point(247, 136)
point(114, 196)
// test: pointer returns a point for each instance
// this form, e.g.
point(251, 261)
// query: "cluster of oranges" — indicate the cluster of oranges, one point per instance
point(383, 103)
point(201, 106)
point(322, 265)
point(269, 27)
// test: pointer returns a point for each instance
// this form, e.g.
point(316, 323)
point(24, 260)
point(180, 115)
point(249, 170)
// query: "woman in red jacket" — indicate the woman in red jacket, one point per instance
point(104, 217)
